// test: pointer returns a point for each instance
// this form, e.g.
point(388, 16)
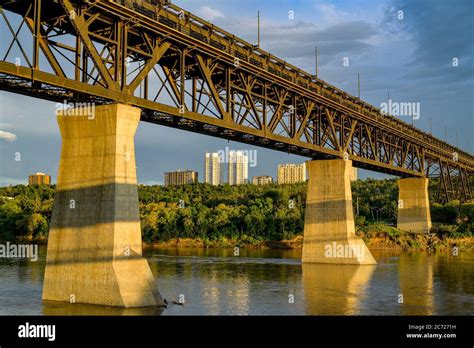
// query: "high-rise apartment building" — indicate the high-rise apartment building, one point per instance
point(291, 173)
point(212, 169)
point(181, 177)
point(39, 179)
point(354, 174)
point(238, 168)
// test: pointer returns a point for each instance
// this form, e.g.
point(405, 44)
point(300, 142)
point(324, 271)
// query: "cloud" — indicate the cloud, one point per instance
point(6, 125)
point(440, 31)
point(10, 137)
point(209, 13)
point(329, 13)
point(298, 41)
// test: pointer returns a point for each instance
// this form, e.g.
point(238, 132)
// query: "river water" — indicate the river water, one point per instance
point(270, 282)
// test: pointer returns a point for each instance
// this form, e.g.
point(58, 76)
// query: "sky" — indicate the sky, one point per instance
point(416, 51)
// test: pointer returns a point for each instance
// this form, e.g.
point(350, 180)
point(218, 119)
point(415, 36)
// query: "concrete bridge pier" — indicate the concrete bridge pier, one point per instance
point(329, 231)
point(414, 205)
point(95, 246)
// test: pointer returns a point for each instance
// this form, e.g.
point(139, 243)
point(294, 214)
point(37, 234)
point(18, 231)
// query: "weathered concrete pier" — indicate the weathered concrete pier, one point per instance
point(329, 231)
point(95, 246)
point(414, 205)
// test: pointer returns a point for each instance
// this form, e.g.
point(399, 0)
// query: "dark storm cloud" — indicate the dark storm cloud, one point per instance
point(441, 31)
point(443, 75)
point(437, 31)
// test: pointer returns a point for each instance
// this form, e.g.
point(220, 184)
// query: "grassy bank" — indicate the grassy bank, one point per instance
point(384, 237)
point(376, 236)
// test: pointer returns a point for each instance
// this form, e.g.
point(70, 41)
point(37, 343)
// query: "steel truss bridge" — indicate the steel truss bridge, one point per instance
point(186, 73)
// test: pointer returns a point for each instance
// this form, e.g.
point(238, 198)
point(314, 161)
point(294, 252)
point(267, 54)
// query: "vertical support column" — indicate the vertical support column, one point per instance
point(95, 247)
point(37, 33)
point(414, 205)
point(329, 230)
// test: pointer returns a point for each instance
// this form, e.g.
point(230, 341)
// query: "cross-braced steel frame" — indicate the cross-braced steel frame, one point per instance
point(186, 73)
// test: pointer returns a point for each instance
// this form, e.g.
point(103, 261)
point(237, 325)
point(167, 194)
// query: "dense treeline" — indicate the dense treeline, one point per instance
point(202, 211)
point(247, 213)
point(25, 211)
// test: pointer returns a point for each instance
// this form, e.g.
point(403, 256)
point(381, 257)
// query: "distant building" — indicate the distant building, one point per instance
point(39, 179)
point(291, 173)
point(238, 168)
point(354, 175)
point(213, 169)
point(262, 180)
point(181, 178)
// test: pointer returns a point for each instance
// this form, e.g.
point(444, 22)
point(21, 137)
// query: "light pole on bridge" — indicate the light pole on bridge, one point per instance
point(258, 26)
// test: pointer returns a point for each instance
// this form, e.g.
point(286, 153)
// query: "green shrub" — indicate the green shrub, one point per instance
point(361, 221)
point(466, 212)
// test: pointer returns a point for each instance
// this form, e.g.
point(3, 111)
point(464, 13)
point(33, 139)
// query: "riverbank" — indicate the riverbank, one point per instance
point(377, 237)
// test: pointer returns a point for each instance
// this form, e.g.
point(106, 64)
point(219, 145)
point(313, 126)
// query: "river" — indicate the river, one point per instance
point(270, 282)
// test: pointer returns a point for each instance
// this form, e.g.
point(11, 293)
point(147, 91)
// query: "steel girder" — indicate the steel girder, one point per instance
point(193, 76)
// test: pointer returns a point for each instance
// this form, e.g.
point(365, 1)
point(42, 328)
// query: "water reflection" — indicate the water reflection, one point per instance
point(335, 289)
point(220, 296)
point(415, 274)
point(211, 295)
point(454, 279)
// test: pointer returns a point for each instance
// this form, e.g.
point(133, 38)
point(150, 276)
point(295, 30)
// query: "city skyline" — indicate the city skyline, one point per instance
point(192, 176)
point(237, 170)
